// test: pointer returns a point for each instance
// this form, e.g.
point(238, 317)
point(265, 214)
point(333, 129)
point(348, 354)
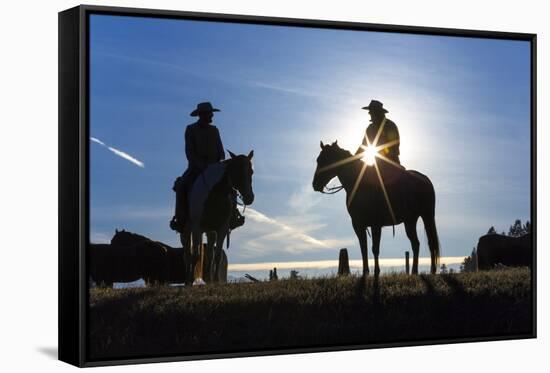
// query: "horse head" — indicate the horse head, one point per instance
point(125, 238)
point(239, 169)
point(327, 164)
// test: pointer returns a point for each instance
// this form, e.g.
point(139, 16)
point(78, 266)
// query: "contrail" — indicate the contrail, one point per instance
point(289, 231)
point(120, 153)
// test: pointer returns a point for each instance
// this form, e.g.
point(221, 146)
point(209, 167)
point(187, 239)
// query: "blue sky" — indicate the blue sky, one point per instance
point(461, 106)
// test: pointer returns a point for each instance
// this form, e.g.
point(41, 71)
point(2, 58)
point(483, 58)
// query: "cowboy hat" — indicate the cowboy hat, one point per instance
point(203, 107)
point(375, 106)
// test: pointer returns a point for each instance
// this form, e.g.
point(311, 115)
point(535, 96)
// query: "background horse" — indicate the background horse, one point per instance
point(152, 258)
point(210, 208)
point(109, 264)
point(173, 255)
point(493, 249)
point(380, 195)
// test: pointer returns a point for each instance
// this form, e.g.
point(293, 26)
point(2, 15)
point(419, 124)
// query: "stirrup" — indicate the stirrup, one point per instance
point(237, 220)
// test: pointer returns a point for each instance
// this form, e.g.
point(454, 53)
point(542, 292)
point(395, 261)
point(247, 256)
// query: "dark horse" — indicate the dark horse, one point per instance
point(402, 197)
point(109, 264)
point(148, 259)
point(494, 249)
point(167, 262)
point(112, 263)
point(210, 208)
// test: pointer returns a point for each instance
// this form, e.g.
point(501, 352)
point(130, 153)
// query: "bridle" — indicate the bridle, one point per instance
point(241, 203)
point(331, 190)
point(237, 192)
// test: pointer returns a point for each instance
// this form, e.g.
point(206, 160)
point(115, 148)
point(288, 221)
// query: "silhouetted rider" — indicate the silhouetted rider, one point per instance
point(203, 146)
point(388, 132)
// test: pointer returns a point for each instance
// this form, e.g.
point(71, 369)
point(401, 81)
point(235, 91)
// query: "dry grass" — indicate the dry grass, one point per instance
point(306, 313)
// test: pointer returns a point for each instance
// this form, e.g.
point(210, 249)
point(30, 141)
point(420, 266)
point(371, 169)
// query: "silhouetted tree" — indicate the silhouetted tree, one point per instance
point(294, 275)
point(470, 262)
point(492, 231)
point(443, 270)
point(518, 230)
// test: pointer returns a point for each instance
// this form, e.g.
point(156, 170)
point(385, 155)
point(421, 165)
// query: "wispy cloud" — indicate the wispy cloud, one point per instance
point(120, 153)
point(267, 235)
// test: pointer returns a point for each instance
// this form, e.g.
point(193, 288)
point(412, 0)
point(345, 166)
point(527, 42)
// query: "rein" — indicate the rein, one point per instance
point(241, 203)
point(332, 190)
point(239, 195)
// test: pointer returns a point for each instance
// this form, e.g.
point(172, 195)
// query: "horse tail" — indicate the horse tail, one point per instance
point(429, 224)
point(433, 238)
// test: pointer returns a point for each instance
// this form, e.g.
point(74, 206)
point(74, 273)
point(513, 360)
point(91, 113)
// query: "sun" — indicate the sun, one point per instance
point(369, 155)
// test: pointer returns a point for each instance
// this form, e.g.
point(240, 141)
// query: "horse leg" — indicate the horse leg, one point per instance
point(211, 250)
point(220, 238)
point(376, 234)
point(361, 233)
point(195, 253)
point(185, 238)
point(410, 229)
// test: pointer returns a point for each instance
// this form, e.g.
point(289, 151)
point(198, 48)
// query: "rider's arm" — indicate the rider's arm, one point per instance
point(219, 146)
point(393, 134)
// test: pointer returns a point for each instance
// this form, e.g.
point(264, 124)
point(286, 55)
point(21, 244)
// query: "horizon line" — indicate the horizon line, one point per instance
point(324, 264)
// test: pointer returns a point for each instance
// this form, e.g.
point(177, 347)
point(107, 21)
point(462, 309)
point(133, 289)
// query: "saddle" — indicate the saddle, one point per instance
point(200, 185)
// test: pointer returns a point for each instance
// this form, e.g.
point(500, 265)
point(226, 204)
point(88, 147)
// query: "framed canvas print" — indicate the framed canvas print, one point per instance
point(238, 186)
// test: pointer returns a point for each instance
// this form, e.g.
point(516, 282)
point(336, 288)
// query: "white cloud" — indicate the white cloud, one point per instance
point(120, 153)
point(304, 199)
point(266, 235)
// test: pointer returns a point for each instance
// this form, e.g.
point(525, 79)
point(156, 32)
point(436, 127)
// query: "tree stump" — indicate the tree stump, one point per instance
point(343, 263)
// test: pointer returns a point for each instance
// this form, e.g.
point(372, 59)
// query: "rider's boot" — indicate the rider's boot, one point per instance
point(178, 221)
point(236, 220)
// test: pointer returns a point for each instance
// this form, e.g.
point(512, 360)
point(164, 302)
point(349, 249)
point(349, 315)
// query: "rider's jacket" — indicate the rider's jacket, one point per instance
point(203, 146)
point(389, 134)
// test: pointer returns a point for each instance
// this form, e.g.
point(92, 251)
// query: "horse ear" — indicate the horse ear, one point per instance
point(116, 230)
point(322, 145)
point(231, 154)
point(336, 142)
point(251, 154)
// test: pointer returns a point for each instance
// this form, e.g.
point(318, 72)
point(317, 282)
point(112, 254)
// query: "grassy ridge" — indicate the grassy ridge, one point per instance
point(316, 312)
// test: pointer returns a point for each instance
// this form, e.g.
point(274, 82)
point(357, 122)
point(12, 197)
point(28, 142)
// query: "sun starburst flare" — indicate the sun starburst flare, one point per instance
point(369, 156)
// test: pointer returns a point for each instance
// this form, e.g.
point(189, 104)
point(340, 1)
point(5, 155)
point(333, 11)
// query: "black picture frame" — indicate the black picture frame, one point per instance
point(74, 172)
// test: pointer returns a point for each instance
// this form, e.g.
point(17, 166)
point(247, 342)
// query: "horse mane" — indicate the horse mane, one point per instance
point(132, 234)
point(343, 152)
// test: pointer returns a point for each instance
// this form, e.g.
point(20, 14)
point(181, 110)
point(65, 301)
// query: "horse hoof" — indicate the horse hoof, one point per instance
point(199, 282)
